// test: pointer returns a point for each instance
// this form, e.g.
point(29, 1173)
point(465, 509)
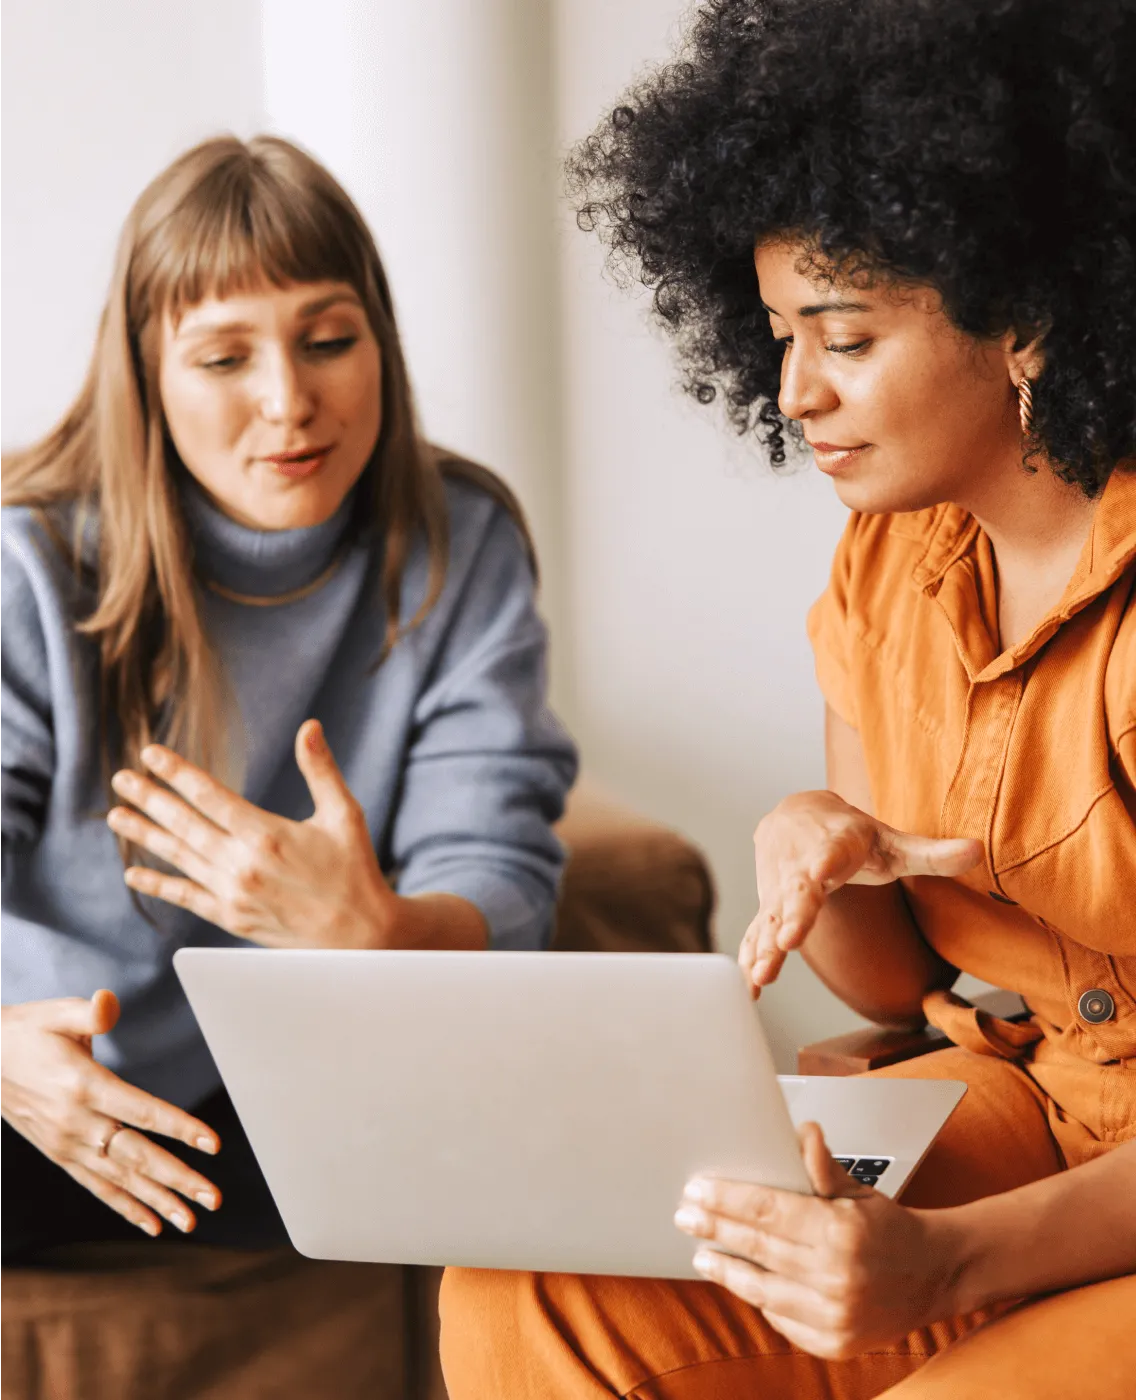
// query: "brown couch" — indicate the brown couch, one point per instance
point(175, 1321)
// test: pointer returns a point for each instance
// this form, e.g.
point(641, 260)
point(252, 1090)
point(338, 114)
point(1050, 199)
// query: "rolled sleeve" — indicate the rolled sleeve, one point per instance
point(830, 633)
point(489, 765)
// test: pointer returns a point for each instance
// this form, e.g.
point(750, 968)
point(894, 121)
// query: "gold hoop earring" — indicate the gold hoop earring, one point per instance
point(1025, 406)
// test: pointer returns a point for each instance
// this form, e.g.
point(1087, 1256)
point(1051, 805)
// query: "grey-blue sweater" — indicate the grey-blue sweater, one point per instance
point(449, 747)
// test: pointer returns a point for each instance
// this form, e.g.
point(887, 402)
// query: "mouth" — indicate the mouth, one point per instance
point(833, 457)
point(304, 462)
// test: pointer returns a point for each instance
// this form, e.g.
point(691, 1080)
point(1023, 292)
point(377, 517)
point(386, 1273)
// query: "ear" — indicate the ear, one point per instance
point(1024, 353)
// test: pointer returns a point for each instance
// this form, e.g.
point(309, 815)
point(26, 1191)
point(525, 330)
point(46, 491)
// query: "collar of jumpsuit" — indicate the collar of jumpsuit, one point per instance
point(1033, 752)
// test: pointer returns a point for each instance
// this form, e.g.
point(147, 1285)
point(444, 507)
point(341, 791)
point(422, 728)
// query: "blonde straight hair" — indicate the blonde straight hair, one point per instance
point(222, 218)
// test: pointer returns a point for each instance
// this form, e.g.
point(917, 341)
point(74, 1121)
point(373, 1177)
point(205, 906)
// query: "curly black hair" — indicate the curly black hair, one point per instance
point(984, 147)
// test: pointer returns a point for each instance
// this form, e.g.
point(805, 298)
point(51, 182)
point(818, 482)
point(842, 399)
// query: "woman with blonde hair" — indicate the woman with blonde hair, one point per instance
point(234, 546)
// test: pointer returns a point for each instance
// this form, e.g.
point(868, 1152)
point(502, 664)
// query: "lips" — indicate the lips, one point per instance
point(302, 462)
point(833, 457)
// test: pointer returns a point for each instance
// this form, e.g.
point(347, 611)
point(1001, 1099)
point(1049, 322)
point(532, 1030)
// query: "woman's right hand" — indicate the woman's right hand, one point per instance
point(84, 1118)
point(810, 845)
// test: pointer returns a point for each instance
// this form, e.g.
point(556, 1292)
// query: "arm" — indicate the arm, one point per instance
point(1078, 1226)
point(489, 766)
point(864, 945)
point(485, 776)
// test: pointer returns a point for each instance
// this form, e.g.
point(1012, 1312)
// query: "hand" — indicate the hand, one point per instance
point(810, 845)
point(282, 883)
point(83, 1117)
point(835, 1273)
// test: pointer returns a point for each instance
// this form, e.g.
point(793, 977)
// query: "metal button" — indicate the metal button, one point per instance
point(1096, 1006)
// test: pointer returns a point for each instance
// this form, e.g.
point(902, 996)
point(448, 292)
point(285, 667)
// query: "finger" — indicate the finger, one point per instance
point(172, 814)
point(327, 785)
point(759, 961)
point(810, 1339)
point(119, 1200)
point(828, 1177)
point(174, 890)
point(82, 1017)
point(134, 827)
point(732, 1237)
point(801, 1219)
point(789, 1298)
point(906, 854)
point(134, 1154)
point(127, 1104)
point(801, 902)
point(224, 808)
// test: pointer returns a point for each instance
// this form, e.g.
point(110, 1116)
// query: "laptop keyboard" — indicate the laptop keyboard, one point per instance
point(865, 1169)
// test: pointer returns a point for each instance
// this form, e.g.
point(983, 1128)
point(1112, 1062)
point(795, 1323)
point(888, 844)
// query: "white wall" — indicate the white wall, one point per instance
point(437, 117)
point(97, 98)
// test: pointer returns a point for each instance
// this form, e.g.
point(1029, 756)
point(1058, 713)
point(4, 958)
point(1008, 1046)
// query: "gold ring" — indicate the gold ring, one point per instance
point(103, 1148)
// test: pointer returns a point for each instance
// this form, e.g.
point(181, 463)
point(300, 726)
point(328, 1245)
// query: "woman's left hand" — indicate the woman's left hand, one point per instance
point(282, 883)
point(835, 1273)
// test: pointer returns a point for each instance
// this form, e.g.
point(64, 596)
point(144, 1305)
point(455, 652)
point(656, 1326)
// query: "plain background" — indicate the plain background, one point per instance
point(678, 566)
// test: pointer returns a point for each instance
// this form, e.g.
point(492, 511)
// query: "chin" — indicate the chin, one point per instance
point(884, 497)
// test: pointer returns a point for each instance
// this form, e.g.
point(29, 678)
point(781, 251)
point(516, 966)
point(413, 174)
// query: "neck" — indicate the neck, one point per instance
point(1037, 526)
point(1030, 517)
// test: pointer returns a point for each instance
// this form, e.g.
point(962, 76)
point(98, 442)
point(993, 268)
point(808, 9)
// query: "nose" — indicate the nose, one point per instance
point(805, 389)
point(285, 395)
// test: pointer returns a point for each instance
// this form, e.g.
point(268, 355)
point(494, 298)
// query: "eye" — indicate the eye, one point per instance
point(849, 349)
point(219, 364)
point(332, 346)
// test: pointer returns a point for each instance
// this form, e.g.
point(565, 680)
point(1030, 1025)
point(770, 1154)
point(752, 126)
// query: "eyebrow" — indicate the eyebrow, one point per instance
point(307, 312)
point(820, 307)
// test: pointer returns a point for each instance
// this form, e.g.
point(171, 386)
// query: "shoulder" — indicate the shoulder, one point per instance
point(878, 553)
point(40, 576)
point(485, 517)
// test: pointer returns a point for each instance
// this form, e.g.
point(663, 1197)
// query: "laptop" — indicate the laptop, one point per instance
point(517, 1110)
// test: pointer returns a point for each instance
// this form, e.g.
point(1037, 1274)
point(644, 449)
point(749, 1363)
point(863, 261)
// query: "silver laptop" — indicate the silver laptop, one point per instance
point(521, 1110)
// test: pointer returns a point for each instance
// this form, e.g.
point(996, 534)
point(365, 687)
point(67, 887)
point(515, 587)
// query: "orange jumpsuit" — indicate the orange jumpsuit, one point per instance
point(1033, 752)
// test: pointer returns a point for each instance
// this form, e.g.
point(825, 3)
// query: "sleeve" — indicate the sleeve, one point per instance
point(489, 765)
point(27, 738)
point(829, 631)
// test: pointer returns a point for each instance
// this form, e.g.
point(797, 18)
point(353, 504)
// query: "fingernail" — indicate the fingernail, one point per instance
point(703, 1261)
point(153, 757)
point(785, 940)
point(183, 1222)
point(315, 738)
point(696, 1190)
point(207, 1145)
point(150, 1227)
point(690, 1218)
point(126, 781)
point(207, 1199)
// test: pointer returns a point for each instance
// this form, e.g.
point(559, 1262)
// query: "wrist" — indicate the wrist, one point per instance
point(960, 1247)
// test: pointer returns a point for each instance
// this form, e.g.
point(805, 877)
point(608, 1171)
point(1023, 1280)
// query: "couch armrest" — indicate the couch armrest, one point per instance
point(630, 884)
point(876, 1046)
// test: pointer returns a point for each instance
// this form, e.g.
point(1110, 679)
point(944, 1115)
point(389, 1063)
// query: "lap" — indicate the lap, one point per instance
point(44, 1207)
point(519, 1335)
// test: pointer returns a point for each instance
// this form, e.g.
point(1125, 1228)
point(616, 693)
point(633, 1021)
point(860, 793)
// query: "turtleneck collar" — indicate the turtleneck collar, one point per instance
point(259, 562)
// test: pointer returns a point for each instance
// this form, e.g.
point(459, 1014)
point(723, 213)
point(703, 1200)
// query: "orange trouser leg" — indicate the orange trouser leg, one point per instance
point(517, 1336)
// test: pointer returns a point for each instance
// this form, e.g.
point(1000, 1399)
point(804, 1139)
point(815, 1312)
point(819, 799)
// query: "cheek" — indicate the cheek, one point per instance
point(355, 397)
point(204, 418)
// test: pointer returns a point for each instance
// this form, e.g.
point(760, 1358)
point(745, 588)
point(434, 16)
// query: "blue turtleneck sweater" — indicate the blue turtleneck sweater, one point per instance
point(449, 747)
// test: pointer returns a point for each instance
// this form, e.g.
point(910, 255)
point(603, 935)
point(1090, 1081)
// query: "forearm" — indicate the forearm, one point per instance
point(1076, 1227)
point(866, 948)
point(438, 921)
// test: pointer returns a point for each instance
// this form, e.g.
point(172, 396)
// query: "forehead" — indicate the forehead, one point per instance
point(260, 304)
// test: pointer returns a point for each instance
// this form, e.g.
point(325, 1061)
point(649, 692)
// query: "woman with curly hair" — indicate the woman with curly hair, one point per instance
point(903, 232)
